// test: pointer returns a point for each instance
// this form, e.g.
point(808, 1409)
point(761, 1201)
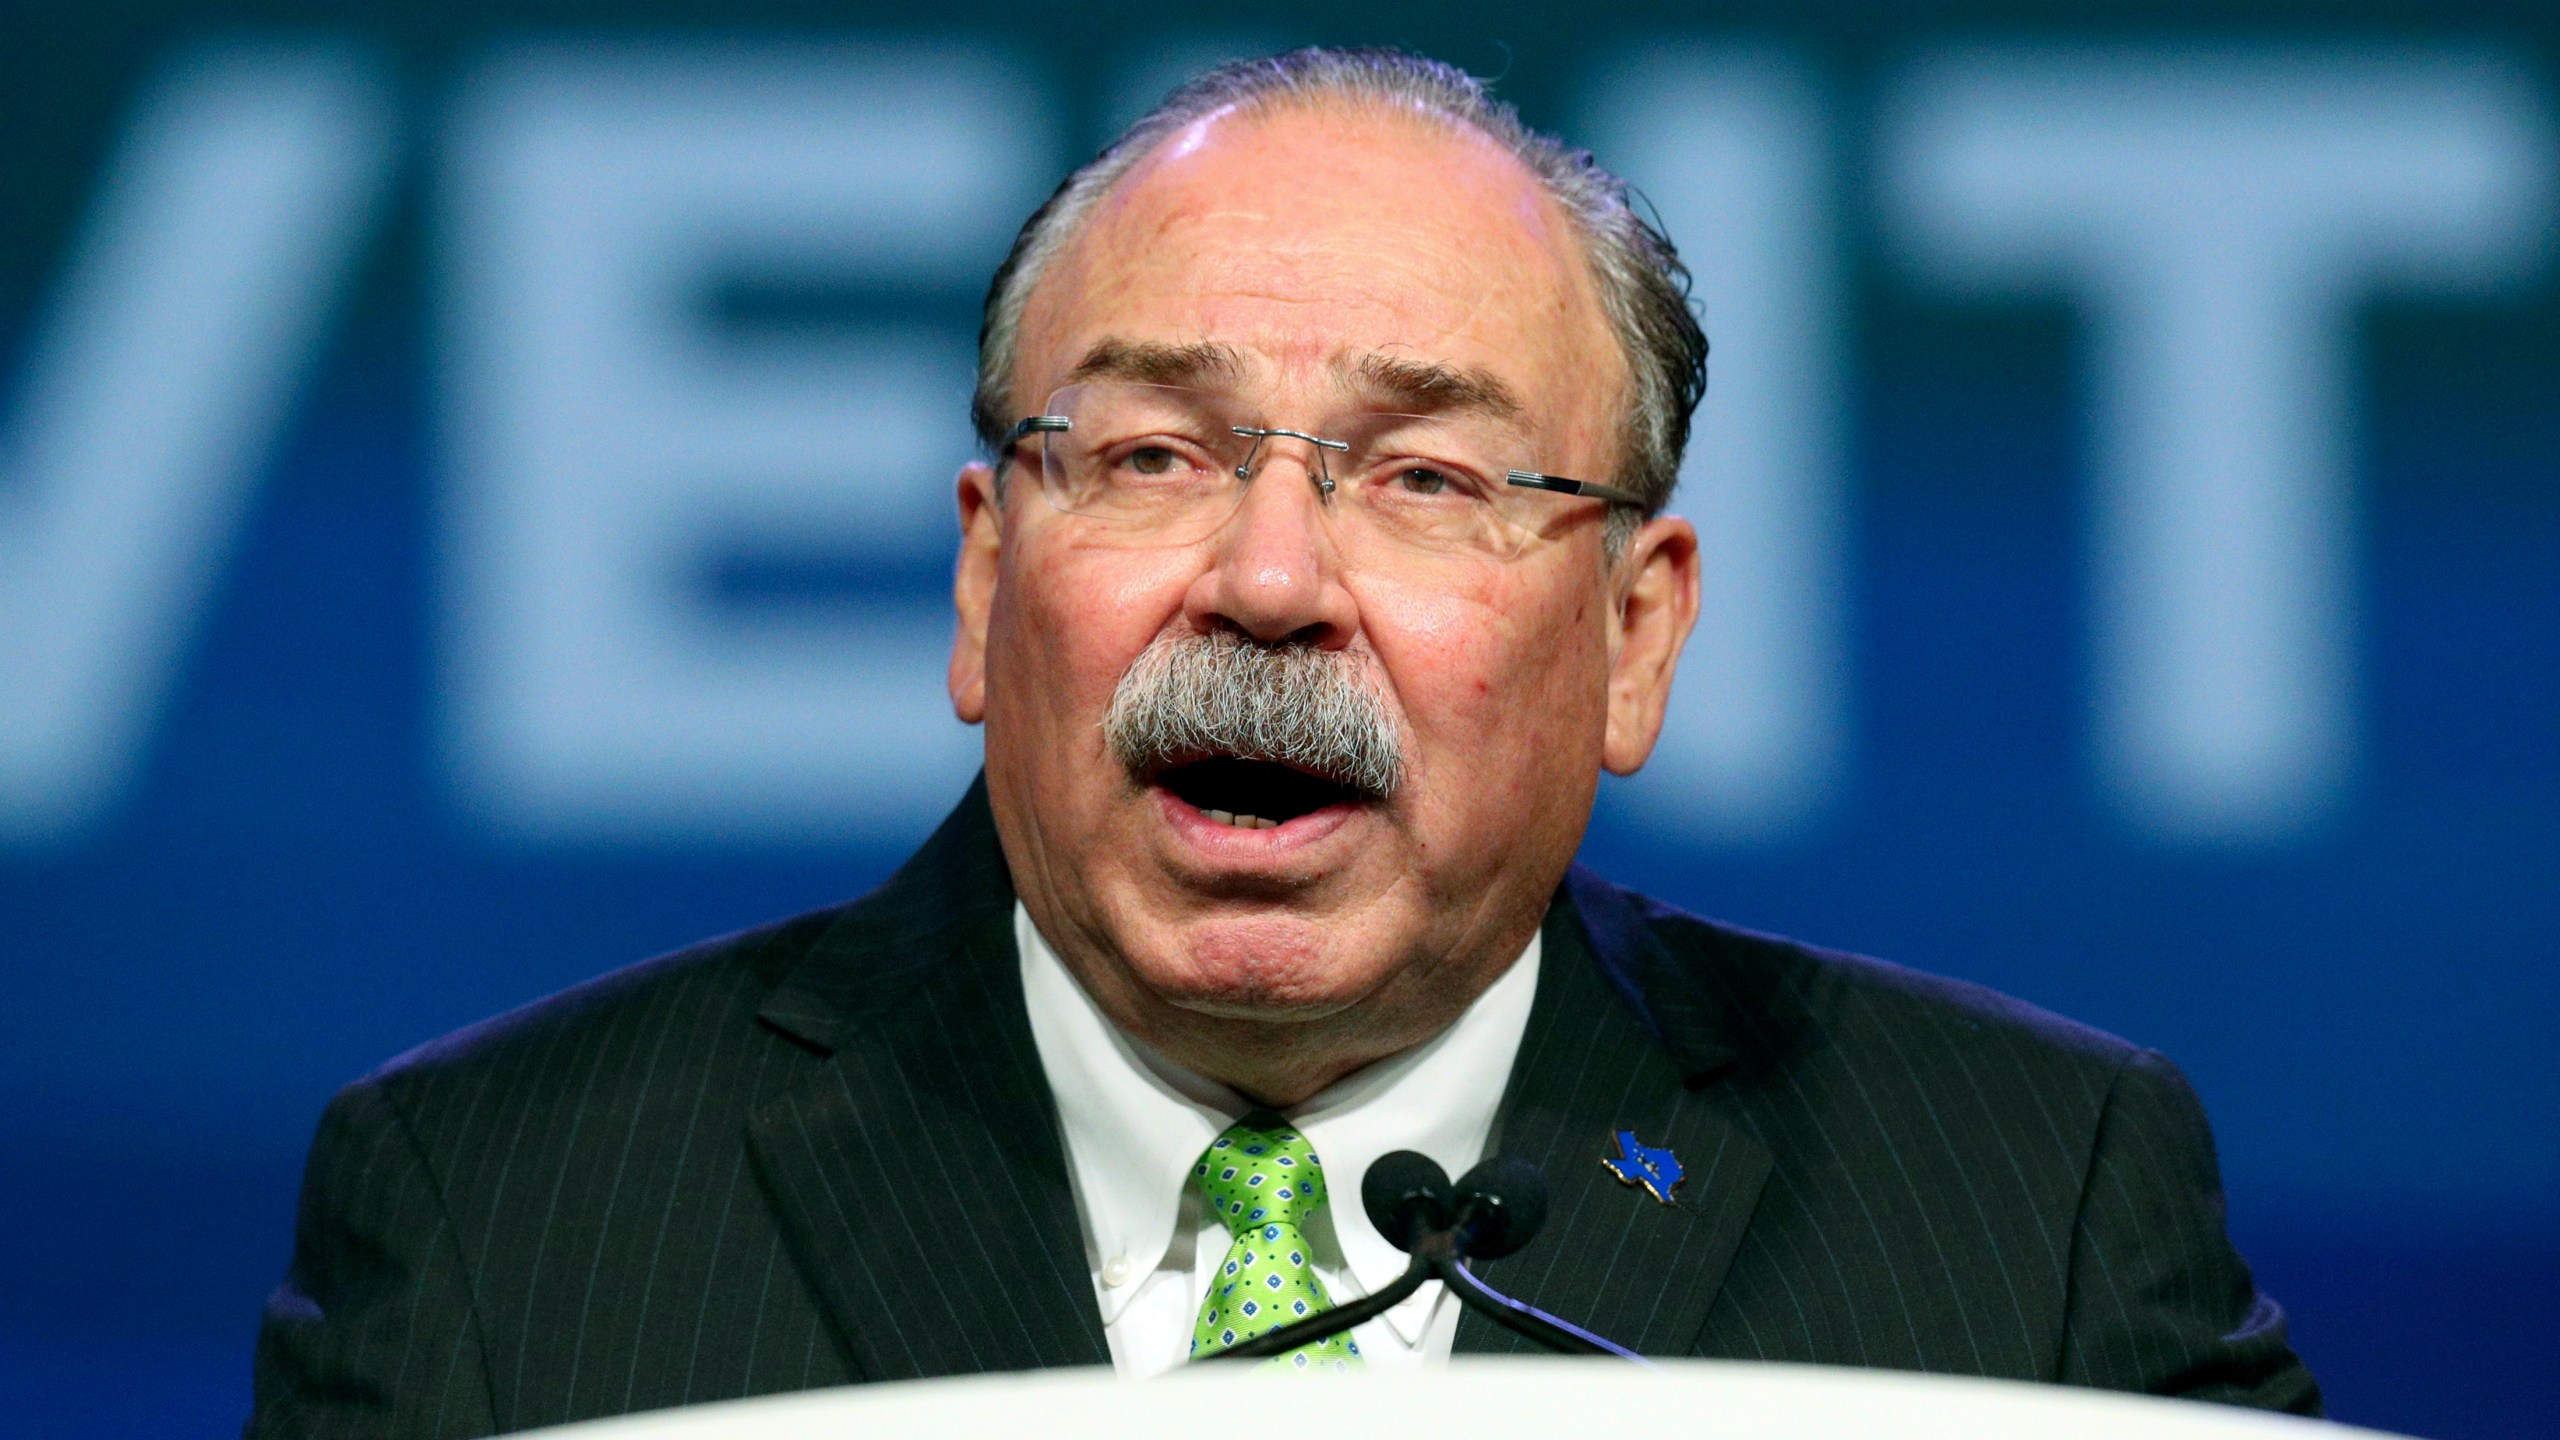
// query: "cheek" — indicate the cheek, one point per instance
point(1064, 627)
point(1501, 666)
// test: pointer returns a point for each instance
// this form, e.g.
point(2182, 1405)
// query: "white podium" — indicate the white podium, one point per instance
point(1533, 1399)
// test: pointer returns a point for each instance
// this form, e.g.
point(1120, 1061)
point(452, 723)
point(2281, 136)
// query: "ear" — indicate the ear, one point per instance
point(973, 588)
point(1656, 607)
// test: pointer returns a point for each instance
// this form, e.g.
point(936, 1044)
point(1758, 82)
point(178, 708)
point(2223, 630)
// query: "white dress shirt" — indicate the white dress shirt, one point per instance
point(1135, 1124)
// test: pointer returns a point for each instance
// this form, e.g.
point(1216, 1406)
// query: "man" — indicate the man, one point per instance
point(1316, 572)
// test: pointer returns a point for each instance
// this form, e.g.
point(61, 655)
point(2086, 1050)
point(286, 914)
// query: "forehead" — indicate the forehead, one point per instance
point(1314, 242)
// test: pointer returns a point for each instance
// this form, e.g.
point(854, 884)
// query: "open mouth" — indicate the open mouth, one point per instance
point(1254, 794)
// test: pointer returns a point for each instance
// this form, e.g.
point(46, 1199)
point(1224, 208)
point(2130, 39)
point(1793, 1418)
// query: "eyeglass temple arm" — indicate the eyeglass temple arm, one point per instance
point(1034, 424)
point(1532, 480)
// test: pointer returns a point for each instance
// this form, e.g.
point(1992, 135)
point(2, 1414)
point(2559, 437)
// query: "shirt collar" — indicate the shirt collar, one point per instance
point(1135, 1123)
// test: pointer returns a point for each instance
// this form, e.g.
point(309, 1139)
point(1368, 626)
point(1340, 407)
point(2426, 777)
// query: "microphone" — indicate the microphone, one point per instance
point(1500, 1205)
point(1406, 1194)
point(1490, 1212)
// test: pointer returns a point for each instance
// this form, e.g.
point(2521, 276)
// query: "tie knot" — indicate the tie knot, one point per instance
point(1261, 1171)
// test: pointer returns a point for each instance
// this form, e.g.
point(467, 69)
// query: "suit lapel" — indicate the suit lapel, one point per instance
point(1612, 1046)
point(917, 1174)
point(916, 1170)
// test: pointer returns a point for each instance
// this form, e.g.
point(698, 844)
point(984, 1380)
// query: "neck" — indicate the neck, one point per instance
point(1284, 1060)
point(1268, 1064)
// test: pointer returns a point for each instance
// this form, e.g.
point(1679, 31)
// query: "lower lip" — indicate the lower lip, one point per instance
point(1235, 841)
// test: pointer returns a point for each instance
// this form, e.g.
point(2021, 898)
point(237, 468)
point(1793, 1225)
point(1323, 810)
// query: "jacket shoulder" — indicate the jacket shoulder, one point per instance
point(707, 1021)
point(1779, 1001)
point(614, 1051)
point(707, 980)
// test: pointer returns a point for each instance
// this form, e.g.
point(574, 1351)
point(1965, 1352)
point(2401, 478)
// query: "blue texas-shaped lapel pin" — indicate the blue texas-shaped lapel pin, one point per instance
point(1658, 1171)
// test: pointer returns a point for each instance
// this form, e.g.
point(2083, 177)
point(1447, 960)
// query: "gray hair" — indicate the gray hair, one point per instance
point(1301, 705)
point(1643, 287)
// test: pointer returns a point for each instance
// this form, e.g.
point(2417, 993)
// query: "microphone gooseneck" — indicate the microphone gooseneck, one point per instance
point(1490, 1212)
point(1500, 1205)
point(1562, 1336)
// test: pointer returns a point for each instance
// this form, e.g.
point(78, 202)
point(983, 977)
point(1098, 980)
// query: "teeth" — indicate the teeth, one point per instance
point(1241, 822)
point(1221, 816)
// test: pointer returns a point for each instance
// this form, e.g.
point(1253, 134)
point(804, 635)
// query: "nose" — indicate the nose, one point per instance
point(1274, 573)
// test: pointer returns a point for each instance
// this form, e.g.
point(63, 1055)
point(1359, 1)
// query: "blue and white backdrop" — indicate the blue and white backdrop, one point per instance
point(474, 511)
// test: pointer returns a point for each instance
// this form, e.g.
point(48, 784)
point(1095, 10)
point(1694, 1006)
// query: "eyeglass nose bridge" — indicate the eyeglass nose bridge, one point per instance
point(1257, 434)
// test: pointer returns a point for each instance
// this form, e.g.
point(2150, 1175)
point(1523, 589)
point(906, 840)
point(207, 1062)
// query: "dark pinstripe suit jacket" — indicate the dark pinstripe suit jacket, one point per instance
point(768, 1163)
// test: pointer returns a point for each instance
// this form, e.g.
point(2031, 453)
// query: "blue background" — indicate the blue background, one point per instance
point(291, 888)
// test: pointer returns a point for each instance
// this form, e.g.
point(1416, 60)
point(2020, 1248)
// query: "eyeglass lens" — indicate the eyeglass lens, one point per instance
point(1167, 465)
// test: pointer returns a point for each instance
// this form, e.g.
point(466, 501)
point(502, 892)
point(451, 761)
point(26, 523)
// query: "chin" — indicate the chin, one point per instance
point(1262, 969)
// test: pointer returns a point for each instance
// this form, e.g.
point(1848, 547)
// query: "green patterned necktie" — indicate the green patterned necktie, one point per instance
point(1263, 1180)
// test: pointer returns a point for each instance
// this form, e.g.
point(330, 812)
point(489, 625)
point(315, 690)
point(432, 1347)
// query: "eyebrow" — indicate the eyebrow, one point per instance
point(1421, 386)
point(1431, 388)
point(1153, 362)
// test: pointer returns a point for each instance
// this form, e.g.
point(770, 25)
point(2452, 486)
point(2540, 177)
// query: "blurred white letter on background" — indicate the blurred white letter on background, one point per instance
point(2221, 215)
point(604, 435)
point(192, 302)
point(1731, 146)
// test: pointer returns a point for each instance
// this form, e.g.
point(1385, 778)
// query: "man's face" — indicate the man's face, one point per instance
point(1307, 244)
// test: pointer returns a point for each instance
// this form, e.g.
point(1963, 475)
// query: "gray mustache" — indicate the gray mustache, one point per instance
point(1197, 695)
